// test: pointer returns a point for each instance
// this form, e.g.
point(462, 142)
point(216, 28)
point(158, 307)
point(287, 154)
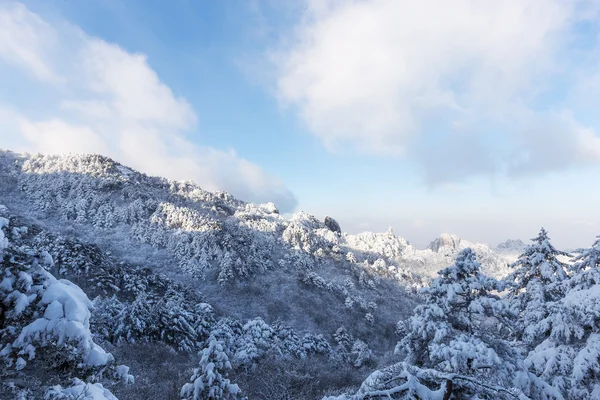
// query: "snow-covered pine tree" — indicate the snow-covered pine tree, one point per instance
point(209, 381)
point(107, 310)
point(536, 281)
point(343, 338)
point(457, 334)
point(539, 263)
point(587, 259)
point(568, 355)
point(361, 353)
point(226, 269)
point(315, 344)
point(288, 342)
point(177, 323)
point(134, 323)
point(44, 323)
point(257, 338)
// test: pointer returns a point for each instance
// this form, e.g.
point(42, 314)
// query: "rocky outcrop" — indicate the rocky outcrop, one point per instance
point(332, 225)
point(445, 240)
point(511, 246)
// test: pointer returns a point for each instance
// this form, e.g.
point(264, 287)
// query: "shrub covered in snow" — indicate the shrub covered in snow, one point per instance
point(44, 321)
point(209, 381)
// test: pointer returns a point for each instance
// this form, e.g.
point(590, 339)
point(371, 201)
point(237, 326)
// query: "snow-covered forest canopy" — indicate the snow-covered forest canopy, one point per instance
point(119, 285)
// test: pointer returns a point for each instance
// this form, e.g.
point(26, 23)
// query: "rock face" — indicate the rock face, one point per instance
point(332, 225)
point(511, 249)
point(511, 246)
point(445, 240)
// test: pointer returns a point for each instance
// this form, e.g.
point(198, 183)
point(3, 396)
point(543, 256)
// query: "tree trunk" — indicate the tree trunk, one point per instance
point(448, 391)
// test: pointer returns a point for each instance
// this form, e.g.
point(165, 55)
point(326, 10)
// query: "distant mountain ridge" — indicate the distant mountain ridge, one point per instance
point(511, 245)
point(198, 210)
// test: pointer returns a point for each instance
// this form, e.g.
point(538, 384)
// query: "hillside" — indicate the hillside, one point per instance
point(169, 266)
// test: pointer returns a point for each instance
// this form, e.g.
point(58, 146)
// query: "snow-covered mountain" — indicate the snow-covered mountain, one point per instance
point(171, 265)
point(443, 250)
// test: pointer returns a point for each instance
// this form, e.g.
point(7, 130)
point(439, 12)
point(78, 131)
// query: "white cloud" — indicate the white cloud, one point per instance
point(58, 136)
point(24, 40)
point(551, 142)
point(387, 76)
point(130, 88)
point(107, 100)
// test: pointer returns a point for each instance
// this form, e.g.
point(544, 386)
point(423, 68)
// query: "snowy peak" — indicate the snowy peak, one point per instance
point(445, 240)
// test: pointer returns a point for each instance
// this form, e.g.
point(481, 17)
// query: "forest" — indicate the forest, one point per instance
point(119, 285)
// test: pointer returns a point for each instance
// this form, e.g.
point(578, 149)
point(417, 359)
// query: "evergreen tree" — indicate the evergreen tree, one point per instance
point(257, 338)
point(587, 259)
point(176, 323)
point(458, 331)
point(539, 264)
point(135, 321)
point(343, 338)
point(568, 354)
point(361, 353)
point(209, 381)
point(535, 283)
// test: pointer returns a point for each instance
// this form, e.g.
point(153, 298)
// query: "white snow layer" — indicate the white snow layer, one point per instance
point(83, 391)
point(65, 319)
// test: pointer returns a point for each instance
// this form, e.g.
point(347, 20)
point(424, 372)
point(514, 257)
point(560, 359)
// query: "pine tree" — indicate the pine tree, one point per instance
point(256, 340)
point(454, 344)
point(209, 381)
point(135, 320)
point(343, 338)
point(539, 264)
point(587, 261)
point(288, 342)
point(361, 353)
point(568, 354)
point(176, 323)
point(458, 331)
point(536, 281)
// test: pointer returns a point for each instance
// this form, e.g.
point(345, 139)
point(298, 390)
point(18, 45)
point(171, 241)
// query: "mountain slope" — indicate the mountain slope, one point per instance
point(157, 254)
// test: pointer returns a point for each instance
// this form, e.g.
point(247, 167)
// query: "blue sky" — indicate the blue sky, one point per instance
point(465, 117)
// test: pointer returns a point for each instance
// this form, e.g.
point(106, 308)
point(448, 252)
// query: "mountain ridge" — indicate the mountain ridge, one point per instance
point(245, 260)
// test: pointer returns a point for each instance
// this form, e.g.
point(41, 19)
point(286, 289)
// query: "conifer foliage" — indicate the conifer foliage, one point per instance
point(567, 346)
point(456, 330)
point(209, 381)
point(538, 271)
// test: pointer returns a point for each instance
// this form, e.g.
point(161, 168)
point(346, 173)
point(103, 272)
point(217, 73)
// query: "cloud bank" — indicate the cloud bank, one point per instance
point(462, 88)
point(81, 94)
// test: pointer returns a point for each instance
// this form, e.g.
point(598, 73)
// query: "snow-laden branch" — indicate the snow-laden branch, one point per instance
point(413, 376)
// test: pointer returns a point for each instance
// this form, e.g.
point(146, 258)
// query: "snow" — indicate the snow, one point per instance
point(125, 171)
point(7, 283)
point(3, 239)
point(82, 391)
point(583, 298)
point(209, 381)
point(66, 319)
point(20, 302)
point(54, 310)
point(20, 364)
point(47, 259)
point(25, 279)
point(96, 356)
point(587, 360)
point(122, 373)
point(463, 325)
point(76, 303)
